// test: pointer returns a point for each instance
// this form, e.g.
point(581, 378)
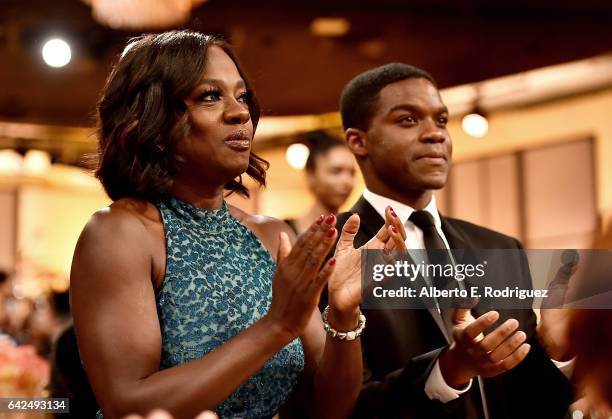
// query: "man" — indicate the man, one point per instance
point(395, 125)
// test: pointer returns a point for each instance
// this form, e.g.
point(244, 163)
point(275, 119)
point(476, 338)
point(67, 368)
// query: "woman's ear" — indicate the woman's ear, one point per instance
point(356, 141)
point(310, 180)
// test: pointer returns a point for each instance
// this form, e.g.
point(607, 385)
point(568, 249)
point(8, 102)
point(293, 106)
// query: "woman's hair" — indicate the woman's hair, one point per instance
point(319, 143)
point(142, 114)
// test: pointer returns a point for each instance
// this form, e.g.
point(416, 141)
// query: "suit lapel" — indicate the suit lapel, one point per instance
point(370, 220)
point(455, 238)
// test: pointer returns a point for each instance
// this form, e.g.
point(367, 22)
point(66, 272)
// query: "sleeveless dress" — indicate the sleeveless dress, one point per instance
point(218, 281)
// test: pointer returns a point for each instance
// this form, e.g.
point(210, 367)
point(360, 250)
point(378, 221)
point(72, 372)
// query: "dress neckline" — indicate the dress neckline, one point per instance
point(215, 216)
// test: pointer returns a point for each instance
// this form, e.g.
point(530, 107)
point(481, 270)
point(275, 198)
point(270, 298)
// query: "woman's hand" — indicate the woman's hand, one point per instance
point(345, 284)
point(299, 278)
point(162, 414)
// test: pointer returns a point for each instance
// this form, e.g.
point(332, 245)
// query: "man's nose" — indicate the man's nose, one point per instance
point(432, 133)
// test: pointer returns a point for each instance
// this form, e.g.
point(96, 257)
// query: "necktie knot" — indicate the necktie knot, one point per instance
point(422, 219)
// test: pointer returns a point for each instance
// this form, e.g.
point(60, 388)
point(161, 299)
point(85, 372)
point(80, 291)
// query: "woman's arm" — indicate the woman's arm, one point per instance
point(339, 372)
point(116, 322)
point(336, 380)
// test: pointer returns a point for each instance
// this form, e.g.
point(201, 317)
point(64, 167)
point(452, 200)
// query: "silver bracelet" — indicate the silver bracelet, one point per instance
point(352, 335)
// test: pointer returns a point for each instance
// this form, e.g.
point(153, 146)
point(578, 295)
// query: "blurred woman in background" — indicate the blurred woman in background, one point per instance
point(330, 173)
point(590, 335)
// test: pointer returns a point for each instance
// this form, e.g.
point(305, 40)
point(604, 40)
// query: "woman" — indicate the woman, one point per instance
point(589, 332)
point(330, 173)
point(178, 303)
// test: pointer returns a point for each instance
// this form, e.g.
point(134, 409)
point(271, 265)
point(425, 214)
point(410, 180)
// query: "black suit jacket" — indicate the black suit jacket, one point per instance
point(400, 348)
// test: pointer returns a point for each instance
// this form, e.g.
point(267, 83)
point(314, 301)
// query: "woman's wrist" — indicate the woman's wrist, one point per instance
point(277, 329)
point(343, 320)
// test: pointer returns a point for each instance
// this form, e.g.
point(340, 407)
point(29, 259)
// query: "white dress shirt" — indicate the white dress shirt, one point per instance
point(435, 386)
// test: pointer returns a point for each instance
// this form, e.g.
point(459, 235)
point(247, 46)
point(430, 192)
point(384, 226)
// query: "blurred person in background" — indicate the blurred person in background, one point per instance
point(178, 301)
point(4, 291)
point(590, 335)
point(330, 174)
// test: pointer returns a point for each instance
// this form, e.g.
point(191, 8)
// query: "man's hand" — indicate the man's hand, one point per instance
point(473, 354)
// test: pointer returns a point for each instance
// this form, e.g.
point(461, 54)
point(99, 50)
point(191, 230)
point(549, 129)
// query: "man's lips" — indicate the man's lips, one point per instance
point(433, 157)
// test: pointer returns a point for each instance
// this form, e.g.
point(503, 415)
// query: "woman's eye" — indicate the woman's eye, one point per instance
point(209, 96)
point(244, 97)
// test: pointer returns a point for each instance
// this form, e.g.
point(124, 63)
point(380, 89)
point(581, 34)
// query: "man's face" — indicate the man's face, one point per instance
point(407, 142)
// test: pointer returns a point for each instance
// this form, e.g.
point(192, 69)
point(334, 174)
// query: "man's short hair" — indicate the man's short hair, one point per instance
point(360, 96)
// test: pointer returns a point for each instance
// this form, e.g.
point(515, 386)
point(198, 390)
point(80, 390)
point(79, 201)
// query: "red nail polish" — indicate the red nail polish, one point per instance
point(332, 261)
point(329, 219)
point(392, 212)
point(320, 219)
point(330, 232)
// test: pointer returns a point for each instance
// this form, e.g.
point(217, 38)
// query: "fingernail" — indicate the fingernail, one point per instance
point(394, 229)
point(330, 232)
point(329, 219)
point(332, 261)
point(320, 219)
point(392, 212)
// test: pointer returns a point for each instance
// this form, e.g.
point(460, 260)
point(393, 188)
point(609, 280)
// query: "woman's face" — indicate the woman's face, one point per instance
point(334, 177)
point(218, 145)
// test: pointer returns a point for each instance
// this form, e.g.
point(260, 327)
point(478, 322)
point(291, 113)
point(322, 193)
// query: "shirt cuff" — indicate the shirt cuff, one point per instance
point(566, 367)
point(437, 389)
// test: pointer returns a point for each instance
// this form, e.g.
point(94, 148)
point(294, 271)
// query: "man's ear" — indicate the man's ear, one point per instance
point(356, 141)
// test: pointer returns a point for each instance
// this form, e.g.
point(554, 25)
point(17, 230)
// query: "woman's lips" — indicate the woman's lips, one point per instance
point(239, 140)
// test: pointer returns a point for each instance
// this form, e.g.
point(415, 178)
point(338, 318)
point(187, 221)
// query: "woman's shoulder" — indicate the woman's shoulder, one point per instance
point(266, 229)
point(124, 220)
point(260, 222)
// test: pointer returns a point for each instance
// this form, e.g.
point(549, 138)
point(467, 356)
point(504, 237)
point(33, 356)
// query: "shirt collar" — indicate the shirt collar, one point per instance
point(402, 210)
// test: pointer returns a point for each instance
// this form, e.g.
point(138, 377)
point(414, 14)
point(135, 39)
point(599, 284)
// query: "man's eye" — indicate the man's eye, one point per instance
point(407, 120)
point(443, 120)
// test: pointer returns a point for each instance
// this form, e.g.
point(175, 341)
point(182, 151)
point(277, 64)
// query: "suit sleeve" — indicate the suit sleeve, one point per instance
point(401, 393)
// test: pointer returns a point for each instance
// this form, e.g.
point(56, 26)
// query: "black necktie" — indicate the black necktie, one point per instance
point(437, 254)
point(433, 241)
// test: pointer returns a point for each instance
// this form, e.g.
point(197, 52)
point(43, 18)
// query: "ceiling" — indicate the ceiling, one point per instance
point(295, 72)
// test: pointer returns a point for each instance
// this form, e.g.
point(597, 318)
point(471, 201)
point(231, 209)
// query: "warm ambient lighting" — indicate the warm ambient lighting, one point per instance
point(142, 14)
point(56, 53)
point(11, 162)
point(296, 155)
point(475, 125)
point(36, 162)
point(330, 26)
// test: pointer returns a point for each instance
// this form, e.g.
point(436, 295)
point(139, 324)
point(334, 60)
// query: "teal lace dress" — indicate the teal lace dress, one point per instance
point(218, 282)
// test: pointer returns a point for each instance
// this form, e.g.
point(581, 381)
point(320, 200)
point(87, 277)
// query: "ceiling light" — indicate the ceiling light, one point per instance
point(296, 155)
point(56, 52)
point(330, 26)
point(475, 124)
